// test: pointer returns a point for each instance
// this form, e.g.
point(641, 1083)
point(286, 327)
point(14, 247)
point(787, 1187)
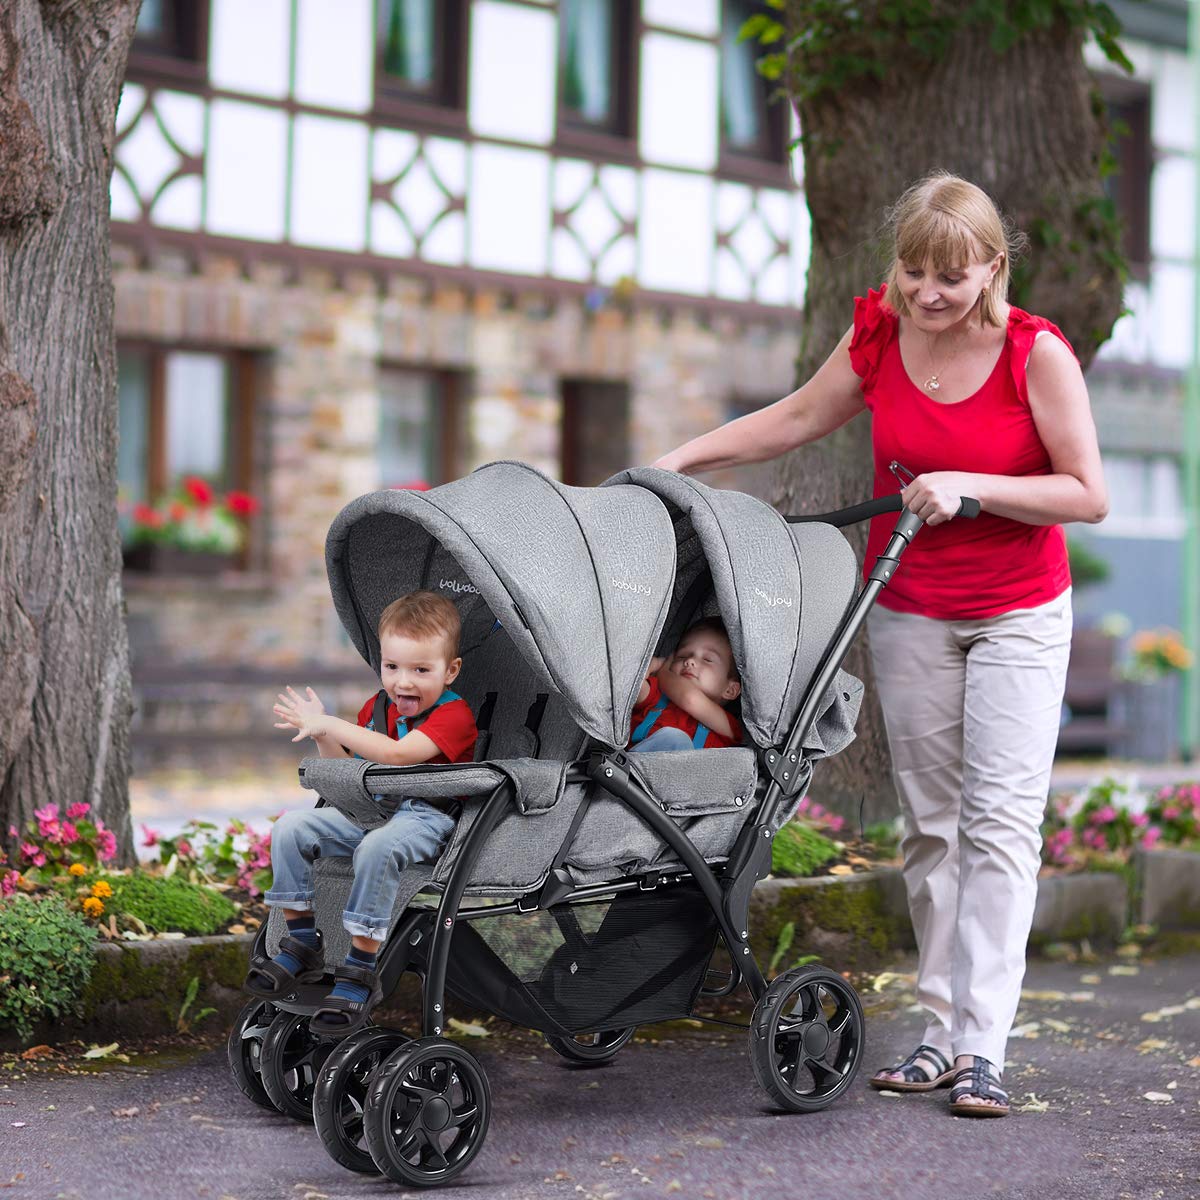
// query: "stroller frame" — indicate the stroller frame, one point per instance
point(421, 939)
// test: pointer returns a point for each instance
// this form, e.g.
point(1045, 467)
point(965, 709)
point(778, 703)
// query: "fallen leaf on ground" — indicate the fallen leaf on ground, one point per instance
point(17, 1124)
point(1121, 969)
point(101, 1051)
point(1159, 1097)
point(1194, 1002)
point(1194, 1062)
point(470, 1028)
point(126, 1112)
point(1172, 1085)
point(37, 1052)
point(1150, 1045)
point(885, 1092)
point(1090, 979)
point(1028, 1030)
point(1082, 997)
point(841, 869)
point(1028, 995)
point(1129, 950)
point(674, 1186)
point(710, 1143)
point(1057, 1026)
point(1034, 1105)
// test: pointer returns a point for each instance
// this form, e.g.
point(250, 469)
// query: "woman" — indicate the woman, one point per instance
point(971, 637)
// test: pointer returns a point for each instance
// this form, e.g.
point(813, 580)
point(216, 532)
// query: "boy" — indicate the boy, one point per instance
point(418, 642)
point(681, 704)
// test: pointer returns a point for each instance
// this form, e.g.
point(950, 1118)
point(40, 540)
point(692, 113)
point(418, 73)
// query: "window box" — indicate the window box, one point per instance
point(153, 559)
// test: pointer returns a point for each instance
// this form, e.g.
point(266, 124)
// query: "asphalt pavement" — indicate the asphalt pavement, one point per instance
point(677, 1113)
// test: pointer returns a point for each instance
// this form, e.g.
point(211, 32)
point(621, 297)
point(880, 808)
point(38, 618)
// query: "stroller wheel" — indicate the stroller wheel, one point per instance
point(340, 1094)
point(427, 1114)
point(806, 1038)
point(291, 1060)
point(591, 1048)
point(244, 1049)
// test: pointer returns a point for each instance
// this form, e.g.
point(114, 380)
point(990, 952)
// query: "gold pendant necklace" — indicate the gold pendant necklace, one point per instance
point(933, 383)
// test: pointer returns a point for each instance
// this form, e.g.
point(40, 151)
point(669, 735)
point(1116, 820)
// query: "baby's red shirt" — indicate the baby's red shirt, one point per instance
point(678, 718)
point(449, 724)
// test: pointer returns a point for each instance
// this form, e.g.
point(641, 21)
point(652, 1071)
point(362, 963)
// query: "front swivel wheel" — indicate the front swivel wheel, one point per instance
point(806, 1038)
point(427, 1112)
point(291, 1059)
point(591, 1049)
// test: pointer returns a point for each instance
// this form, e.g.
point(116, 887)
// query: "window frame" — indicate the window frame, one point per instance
point(1134, 152)
point(618, 142)
point(443, 108)
point(770, 164)
point(453, 392)
point(158, 63)
point(243, 368)
point(571, 422)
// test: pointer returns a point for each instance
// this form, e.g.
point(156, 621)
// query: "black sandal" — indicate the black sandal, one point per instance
point(916, 1079)
point(983, 1081)
point(340, 1017)
point(268, 979)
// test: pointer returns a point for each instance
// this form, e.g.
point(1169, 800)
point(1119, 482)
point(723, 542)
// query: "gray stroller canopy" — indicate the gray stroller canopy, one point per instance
point(781, 590)
point(579, 578)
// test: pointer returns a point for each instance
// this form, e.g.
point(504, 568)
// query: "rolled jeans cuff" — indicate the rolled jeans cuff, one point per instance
point(300, 901)
point(363, 925)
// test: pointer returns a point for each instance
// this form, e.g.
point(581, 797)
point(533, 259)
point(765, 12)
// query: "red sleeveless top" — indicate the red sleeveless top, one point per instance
point(960, 570)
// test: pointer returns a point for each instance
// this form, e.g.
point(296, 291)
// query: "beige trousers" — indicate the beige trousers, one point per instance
point(972, 712)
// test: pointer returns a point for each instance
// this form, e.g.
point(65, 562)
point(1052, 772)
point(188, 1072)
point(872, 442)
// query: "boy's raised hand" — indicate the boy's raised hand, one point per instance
point(302, 713)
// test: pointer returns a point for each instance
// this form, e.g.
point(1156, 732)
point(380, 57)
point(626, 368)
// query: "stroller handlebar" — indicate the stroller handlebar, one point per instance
point(969, 507)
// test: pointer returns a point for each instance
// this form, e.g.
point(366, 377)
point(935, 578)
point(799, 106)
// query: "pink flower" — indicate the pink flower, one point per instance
point(1140, 819)
point(183, 848)
point(8, 883)
point(13, 832)
point(76, 811)
point(49, 813)
point(151, 836)
point(69, 833)
point(1171, 813)
point(1151, 837)
point(106, 842)
point(29, 851)
point(1105, 815)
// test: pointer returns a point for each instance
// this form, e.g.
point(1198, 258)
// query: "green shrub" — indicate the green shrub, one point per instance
point(45, 960)
point(169, 904)
point(799, 850)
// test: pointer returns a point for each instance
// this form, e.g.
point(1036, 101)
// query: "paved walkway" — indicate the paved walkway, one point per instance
point(678, 1113)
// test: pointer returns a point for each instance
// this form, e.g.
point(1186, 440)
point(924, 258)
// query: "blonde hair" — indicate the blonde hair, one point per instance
point(949, 222)
point(423, 614)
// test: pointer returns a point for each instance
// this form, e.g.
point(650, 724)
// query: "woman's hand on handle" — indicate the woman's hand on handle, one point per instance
point(936, 496)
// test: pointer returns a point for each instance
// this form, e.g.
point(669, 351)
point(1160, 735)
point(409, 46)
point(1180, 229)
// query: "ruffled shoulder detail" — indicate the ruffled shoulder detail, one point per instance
point(1023, 329)
point(874, 324)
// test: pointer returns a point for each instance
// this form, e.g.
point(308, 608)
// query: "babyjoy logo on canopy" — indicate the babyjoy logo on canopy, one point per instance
point(639, 589)
point(773, 601)
point(453, 585)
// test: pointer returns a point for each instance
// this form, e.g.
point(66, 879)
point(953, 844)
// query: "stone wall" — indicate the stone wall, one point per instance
point(320, 338)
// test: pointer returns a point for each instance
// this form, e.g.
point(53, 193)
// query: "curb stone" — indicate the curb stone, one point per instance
point(853, 922)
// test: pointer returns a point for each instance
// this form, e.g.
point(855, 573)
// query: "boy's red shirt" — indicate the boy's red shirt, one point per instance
point(449, 724)
point(676, 717)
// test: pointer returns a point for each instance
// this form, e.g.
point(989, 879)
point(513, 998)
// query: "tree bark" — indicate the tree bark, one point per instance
point(64, 660)
point(1021, 124)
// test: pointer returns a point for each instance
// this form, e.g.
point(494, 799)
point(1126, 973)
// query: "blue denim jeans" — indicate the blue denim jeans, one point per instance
point(666, 738)
point(415, 834)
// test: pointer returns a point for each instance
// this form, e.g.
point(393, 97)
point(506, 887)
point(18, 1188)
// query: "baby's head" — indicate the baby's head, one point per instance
point(418, 650)
point(705, 657)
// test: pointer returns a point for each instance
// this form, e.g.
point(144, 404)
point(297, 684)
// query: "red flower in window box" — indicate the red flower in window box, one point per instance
point(241, 504)
point(199, 490)
point(148, 517)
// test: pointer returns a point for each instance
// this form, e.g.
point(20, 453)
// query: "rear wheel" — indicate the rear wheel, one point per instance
point(806, 1038)
point(340, 1095)
point(244, 1049)
point(292, 1057)
point(591, 1048)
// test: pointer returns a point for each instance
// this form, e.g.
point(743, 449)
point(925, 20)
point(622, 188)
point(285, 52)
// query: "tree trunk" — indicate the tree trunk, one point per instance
point(1020, 124)
point(64, 660)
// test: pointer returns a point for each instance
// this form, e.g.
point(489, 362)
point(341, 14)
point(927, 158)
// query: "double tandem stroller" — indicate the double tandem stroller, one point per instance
point(584, 890)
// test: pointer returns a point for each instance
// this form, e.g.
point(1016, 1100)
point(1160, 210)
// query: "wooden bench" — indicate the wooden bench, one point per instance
point(1092, 688)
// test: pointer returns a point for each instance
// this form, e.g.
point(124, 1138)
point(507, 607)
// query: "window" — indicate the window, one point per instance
point(1129, 185)
point(170, 40)
point(753, 124)
point(420, 56)
point(1145, 496)
point(595, 431)
point(595, 72)
point(183, 414)
point(419, 435)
